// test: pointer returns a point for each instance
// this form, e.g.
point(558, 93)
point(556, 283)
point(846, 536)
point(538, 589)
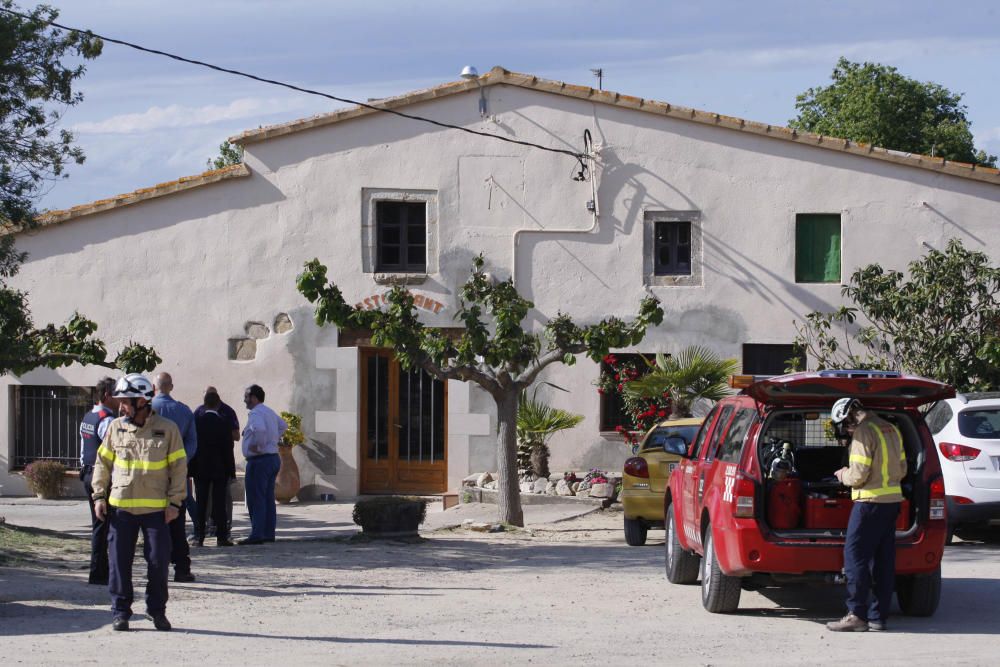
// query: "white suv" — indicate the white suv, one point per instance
point(966, 433)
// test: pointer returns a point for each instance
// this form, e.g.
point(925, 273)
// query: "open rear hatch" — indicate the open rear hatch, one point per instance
point(884, 389)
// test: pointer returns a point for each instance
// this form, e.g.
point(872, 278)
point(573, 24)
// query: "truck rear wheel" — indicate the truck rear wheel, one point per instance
point(919, 594)
point(682, 565)
point(635, 532)
point(720, 593)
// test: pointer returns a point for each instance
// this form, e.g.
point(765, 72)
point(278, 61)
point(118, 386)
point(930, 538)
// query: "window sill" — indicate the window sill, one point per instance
point(400, 278)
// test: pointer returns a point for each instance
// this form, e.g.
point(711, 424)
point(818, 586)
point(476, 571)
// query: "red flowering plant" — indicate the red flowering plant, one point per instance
point(641, 413)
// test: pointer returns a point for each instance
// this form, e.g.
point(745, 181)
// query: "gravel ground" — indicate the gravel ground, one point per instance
point(566, 593)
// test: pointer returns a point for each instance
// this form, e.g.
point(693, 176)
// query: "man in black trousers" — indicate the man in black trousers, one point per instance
point(92, 430)
point(213, 469)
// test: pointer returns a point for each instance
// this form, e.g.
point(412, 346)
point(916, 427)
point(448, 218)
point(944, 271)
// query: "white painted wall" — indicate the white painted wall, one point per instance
point(185, 272)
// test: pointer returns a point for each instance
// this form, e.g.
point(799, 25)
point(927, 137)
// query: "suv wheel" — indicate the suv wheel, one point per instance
point(720, 593)
point(682, 565)
point(919, 594)
point(635, 532)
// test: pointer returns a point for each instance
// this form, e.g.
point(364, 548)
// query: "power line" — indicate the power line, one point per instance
point(578, 156)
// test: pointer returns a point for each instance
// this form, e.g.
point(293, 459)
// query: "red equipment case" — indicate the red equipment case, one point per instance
point(835, 512)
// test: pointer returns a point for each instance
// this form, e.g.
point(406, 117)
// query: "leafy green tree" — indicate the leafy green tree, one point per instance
point(695, 373)
point(875, 104)
point(500, 356)
point(35, 86)
point(229, 154)
point(536, 423)
point(942, 321)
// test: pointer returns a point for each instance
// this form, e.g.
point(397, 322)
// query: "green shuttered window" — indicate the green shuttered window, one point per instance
point(817, 248)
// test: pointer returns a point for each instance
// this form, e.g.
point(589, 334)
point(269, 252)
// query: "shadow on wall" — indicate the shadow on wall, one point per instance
point(312, 389)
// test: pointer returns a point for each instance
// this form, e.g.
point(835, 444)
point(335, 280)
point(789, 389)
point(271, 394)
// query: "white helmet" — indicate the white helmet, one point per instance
point(842, 408)
point(134, 385)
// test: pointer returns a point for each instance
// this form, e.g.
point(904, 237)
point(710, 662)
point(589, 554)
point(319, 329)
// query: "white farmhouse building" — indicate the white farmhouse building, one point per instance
point(737, 227)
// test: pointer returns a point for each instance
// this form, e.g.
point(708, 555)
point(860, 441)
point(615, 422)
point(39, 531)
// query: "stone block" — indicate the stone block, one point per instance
point(283, 323)
point(256, 330)
point(242, 349)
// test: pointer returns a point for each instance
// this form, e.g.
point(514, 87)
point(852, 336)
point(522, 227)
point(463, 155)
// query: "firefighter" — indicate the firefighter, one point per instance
point(141, 473)
point(876, 466)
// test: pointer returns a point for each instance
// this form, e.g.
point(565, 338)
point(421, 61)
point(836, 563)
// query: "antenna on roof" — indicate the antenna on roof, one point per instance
point(599, 73)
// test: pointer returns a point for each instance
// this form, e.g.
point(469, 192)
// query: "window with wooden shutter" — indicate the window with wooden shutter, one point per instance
point(817, 248)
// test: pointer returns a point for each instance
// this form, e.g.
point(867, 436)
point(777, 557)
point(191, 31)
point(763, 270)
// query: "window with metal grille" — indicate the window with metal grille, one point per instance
point(401, 236)
point(672, 248)
point(47, 423)
point(817, 248)
point(771, 359)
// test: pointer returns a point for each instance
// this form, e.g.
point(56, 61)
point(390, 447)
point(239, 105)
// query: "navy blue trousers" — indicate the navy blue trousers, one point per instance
point(122, 538)
point(261, 472)
point(870, 559)
point(98, 533)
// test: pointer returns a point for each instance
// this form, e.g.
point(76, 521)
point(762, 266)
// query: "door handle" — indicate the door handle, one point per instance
point(398, 425)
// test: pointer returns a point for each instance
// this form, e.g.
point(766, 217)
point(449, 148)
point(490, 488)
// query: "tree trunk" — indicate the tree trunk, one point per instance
point(508, 489)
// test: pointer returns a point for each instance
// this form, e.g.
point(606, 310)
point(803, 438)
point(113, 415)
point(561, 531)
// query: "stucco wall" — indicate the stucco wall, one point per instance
point(186, 272)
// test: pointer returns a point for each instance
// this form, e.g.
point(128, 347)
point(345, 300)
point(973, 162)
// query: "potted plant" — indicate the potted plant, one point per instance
point(287, 484)
point(695, 373)
point(390, 516)
point(45, 478)
point(536, 422)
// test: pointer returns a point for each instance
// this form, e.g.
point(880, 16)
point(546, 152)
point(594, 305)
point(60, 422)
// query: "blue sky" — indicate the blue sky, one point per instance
point(147, 119)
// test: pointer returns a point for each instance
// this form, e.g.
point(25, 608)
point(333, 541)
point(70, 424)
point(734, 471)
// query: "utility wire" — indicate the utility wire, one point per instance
point(578, 156)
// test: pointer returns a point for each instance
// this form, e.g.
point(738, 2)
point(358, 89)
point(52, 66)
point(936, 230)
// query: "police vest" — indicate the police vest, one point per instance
point(88, 435)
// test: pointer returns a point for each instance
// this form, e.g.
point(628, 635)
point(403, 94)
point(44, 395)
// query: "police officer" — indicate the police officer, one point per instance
point(141, 473)
point(92, 430)
point(876, 466)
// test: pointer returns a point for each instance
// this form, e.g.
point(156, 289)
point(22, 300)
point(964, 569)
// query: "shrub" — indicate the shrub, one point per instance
point(389, 514)
point(45, 478)
point(293, 435)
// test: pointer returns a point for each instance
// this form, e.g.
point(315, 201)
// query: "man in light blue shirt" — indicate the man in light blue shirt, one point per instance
point(180, 414)
point(260, 449)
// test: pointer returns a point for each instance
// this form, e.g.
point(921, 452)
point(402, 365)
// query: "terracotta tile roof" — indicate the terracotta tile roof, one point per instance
point(498, 76)
point(144, 194)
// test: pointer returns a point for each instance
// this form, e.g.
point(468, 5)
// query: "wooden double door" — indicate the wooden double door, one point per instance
point(404, 430)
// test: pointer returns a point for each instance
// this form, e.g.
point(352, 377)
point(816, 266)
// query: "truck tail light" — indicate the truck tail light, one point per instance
point(636, 467)
point(937, 500)
point(743, 497)
point(954, 452)
point(962, 500)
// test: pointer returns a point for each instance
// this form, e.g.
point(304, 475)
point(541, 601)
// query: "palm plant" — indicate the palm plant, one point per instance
point(536, 422)
point(696, 372)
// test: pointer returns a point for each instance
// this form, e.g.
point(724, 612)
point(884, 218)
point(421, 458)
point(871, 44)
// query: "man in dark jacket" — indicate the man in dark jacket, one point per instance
point(215, 466)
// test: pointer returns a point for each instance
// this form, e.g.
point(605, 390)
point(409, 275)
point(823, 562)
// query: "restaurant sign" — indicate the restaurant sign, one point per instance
point(419, 300)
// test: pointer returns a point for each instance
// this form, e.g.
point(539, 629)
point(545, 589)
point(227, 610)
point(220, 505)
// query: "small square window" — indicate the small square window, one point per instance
point(401, 236)
point(672, 244)
point(673, 248)
point(817, 248)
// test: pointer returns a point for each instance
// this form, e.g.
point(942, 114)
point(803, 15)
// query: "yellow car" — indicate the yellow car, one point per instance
point(645, 475)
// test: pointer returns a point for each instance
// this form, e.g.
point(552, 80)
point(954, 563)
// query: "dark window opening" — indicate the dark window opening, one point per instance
point(768, 359)
point(672, 248)
point(401, 236)
point(613, 412)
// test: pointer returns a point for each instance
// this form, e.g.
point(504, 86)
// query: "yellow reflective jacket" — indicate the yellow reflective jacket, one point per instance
point(877, 462)
point(141, 469)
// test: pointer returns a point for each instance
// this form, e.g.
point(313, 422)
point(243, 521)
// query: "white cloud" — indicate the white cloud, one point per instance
point(887, 51)
point(179, 116)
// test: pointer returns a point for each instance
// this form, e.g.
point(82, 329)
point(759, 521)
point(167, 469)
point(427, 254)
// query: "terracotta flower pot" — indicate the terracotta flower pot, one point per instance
point(287, 485)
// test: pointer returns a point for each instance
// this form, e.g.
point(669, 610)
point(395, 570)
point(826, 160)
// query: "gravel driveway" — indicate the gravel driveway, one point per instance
point(568, 593)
